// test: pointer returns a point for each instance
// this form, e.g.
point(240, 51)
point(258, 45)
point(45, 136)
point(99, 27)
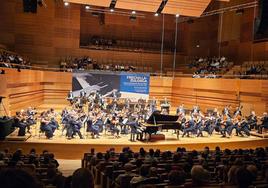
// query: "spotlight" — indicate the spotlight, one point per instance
point(66, 3)
point(177, 15)
point(156, 14)
point(87, 7)
point(133, 12)
point(111, 10)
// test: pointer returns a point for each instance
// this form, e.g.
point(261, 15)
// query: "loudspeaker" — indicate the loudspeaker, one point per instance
point(261, 23)
point(30, 6)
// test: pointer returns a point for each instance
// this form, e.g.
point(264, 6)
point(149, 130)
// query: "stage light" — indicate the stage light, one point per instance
point(156, 14)
point(111, 10)
point(87, 7)
point(177, 15)
point(133, 12)
point(66, 3)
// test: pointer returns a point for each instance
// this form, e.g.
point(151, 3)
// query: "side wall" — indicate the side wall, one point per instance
point(33, 88)
point(210, 93)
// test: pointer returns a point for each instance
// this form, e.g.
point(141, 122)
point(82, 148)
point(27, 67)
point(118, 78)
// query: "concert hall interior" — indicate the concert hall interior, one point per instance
point(124, 93)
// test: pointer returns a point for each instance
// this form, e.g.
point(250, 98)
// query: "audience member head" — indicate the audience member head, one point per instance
point(176, 177)
point(253, 170)
point(139, 163)
point(232, 175)
point(153, 172)
point(151, 152)
point(142, 152)
point(15, 178)
point(99, 155)
point(243, 177)
point(82, 178)
point(199, 175)
point(128, 167)
point(144, 170)
point(176, 157)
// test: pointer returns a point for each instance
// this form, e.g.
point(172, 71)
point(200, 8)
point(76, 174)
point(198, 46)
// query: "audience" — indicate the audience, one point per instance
point(188, 168)
point(256, 69)
point(85, 63)
point(101, 43)
point(208, 67)
point(235, 168)
point(11, 60)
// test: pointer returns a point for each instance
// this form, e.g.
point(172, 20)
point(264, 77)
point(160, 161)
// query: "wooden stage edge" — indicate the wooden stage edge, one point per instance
point(75, 149)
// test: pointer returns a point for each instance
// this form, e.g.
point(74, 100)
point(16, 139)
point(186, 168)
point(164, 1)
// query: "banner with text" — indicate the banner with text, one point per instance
point(126, 85)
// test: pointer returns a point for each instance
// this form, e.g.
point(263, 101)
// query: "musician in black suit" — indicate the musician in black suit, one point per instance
point(238, 111)
point(70, 97)
point(229, 126)
point(113, 127)
point(264, 123)
point(46, 126)
point(244, 127)
point(135, 129)
point(180, 110)
point(75, 125)
point(20, 122)
point(93, 126)
point(252, 120)
point(189, 127)
point(199, 126)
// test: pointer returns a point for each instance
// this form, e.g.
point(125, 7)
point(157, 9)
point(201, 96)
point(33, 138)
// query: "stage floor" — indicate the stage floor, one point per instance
point(75, 148)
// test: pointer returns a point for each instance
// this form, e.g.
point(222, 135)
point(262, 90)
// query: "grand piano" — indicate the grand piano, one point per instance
point(158, 122)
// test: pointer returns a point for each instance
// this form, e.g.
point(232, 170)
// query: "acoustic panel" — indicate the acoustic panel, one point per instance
point(185, 7)
point(145, 5)
point(100, 3)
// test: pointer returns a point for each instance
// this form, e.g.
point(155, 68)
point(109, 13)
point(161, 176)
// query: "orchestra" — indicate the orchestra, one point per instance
point(97, 115)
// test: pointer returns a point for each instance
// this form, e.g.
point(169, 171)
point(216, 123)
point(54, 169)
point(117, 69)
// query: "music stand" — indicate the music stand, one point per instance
point(2, 105)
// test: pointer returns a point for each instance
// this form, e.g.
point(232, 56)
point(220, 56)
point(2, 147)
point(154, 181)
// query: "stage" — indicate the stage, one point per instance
point(75, 148)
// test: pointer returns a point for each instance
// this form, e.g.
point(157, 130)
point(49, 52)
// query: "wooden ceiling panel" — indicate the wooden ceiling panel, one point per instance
point(185, 7)
point(100, 3)
point(138, 5)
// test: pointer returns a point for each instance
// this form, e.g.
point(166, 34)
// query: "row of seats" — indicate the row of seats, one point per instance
point(43, 168)
point(193, 169)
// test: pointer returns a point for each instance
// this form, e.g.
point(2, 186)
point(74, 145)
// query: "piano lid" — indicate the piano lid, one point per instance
point(156, 117)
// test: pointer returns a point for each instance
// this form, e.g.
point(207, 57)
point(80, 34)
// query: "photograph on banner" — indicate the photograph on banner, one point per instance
point(125, 85)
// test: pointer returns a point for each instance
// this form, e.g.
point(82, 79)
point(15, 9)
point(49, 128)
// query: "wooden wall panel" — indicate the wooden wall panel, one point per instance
point(56, 87)
point(24, 89)
point(3, 93)
point(34, 88)
point(160, 88)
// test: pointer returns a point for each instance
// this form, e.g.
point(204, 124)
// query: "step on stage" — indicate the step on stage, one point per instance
point(75, 148)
